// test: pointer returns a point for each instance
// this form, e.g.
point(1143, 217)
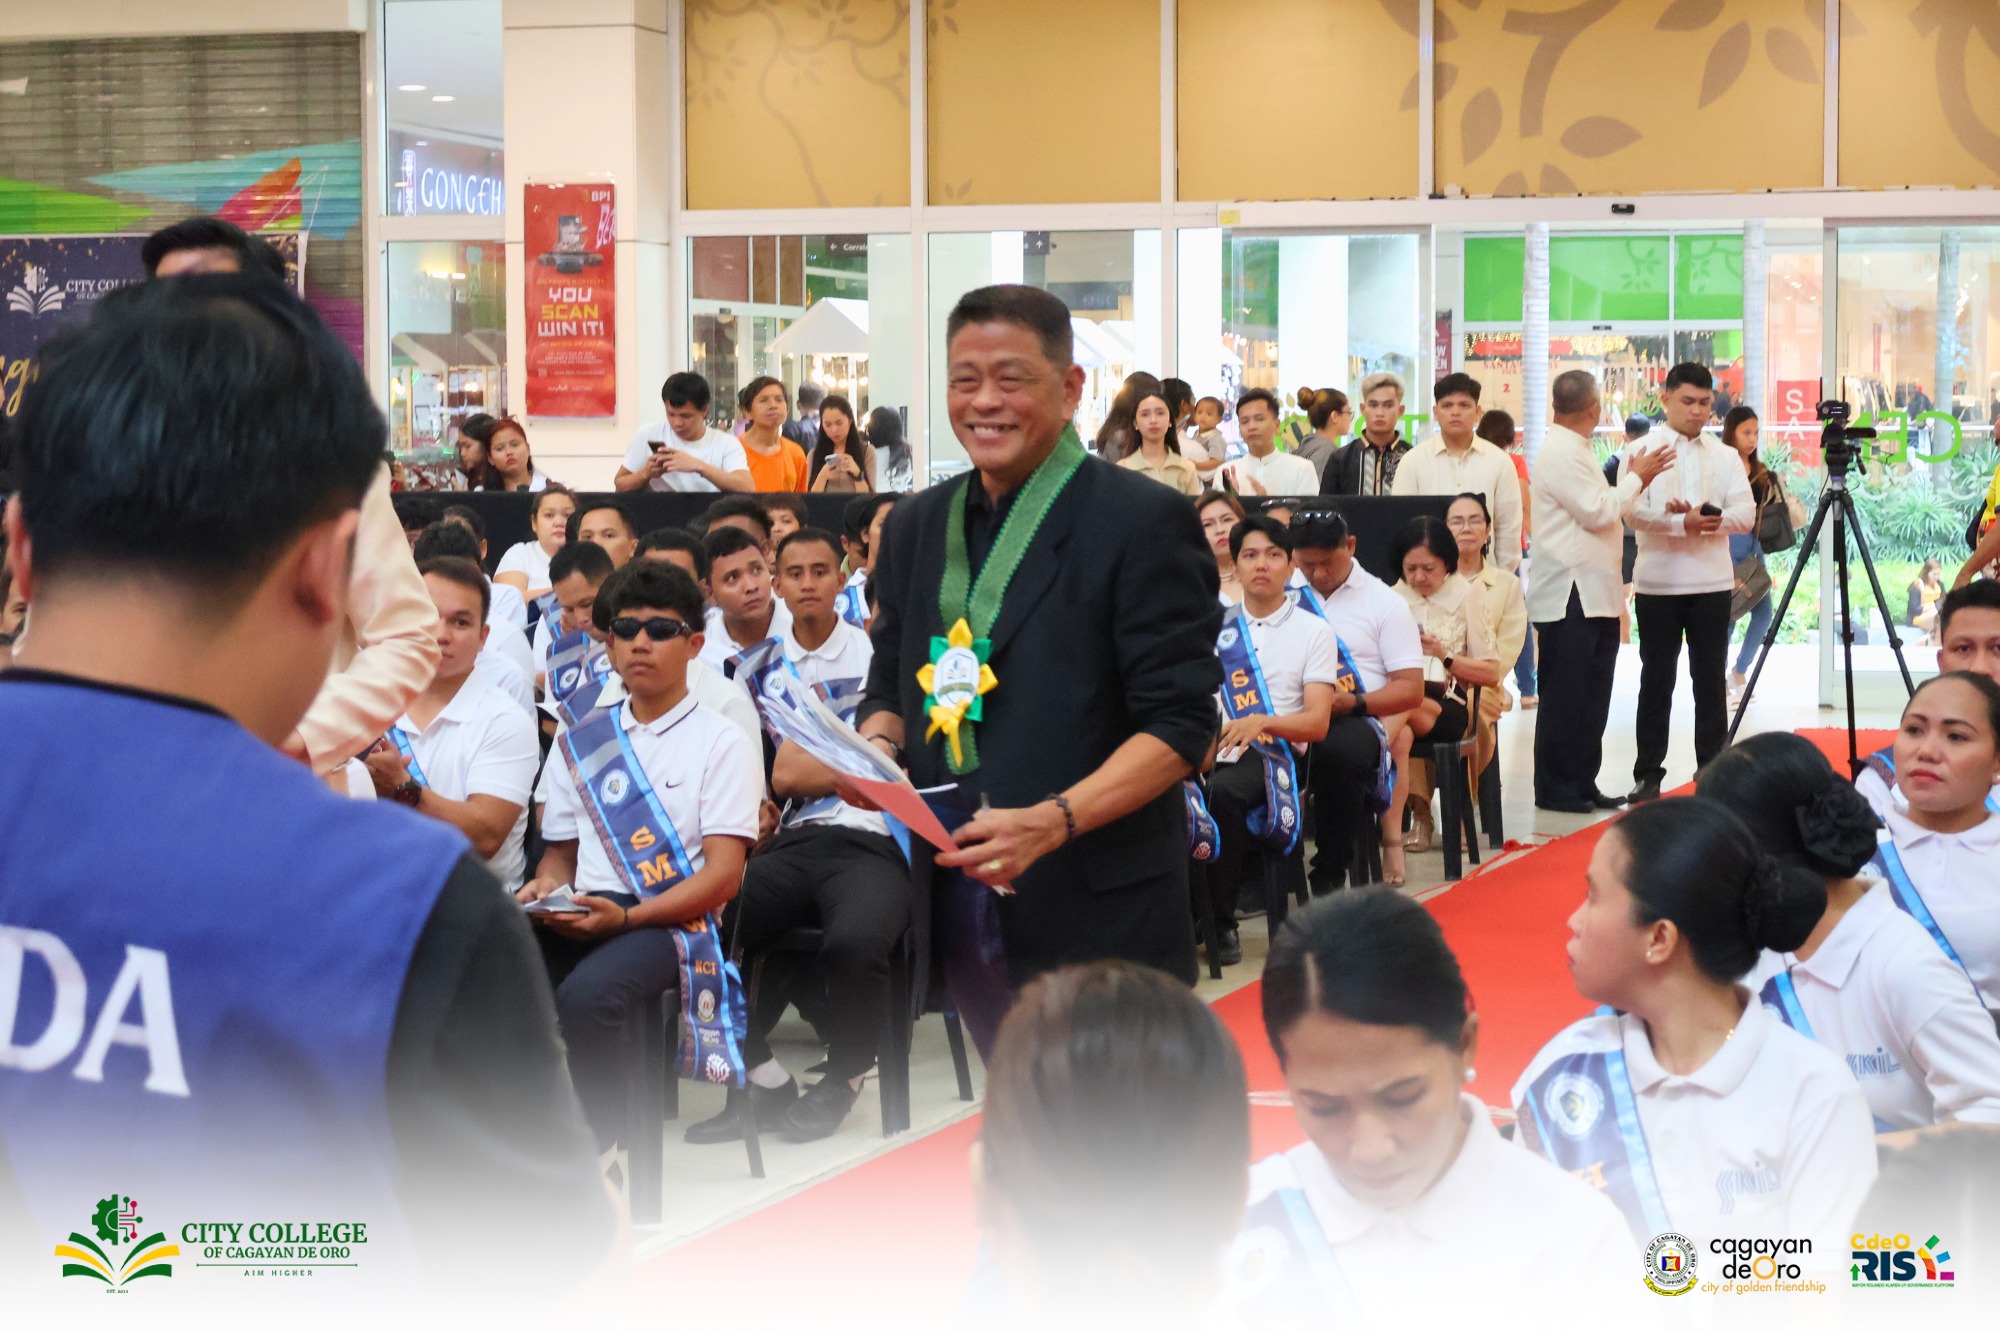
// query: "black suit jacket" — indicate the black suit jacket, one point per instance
point(1107, 630)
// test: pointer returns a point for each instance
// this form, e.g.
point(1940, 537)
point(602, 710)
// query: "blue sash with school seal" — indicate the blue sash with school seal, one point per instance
point(1244, 694)
point(401, 740)
point(574, 660)
point(1582, 1115)
point(549, 609)
point(1349, 679)
point(764, 670)
point(1781, 998)
point(1883, 761)
point(647, 853)
point(852, 600)
point(1204, 839)
point(1281, 1271)
point(1888, 863)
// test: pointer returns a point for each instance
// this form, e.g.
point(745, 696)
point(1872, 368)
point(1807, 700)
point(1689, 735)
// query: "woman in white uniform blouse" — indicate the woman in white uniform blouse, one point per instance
point(1941, 855)
point(1405, 1208)
point(1868, 984)
point(1695, 1110)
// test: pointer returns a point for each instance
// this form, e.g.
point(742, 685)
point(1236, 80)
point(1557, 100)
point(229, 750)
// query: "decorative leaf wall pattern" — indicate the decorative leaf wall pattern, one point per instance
point(1689, 15)
point(1555, 182)
point(1598, 136)
point(1556, 31)
point(1790, 57)
point(1727, 60)
point(1815, 14)
point(1479, 124)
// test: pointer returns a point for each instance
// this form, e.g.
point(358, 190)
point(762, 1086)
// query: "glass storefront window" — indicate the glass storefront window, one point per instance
point(1110, 280)
point(442, 74)
point(827, 310)
point(447, 348)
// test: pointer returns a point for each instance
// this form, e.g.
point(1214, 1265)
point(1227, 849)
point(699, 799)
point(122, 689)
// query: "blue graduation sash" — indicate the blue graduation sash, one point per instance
point(549, 609)
point(401, 740)
point(1890, 863)
point(1349, 679)
point(1583, 1116)
point(575, 659)
point(1244, 694)
point(647, 853)
point(1782, 999)
point(1883, 761)
point(1282, 1273)
point(852, 602)
point(1204, 839)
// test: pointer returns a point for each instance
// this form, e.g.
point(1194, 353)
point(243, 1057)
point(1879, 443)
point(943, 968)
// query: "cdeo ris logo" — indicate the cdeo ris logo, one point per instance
point(116, 1223)
point(1889, 1261)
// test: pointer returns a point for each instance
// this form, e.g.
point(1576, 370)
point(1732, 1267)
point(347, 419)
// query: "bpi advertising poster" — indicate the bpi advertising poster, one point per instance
point(47, 282)
point(571, 234)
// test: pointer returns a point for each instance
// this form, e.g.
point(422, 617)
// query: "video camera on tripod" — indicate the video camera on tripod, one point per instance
point(1837, 439)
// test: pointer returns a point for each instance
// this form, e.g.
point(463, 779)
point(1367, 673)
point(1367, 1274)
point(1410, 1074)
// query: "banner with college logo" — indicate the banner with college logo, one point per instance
point(572, 292)
point(50, 282)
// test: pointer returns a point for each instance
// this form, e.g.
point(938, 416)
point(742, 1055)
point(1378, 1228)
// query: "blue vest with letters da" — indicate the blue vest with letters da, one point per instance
point(202, 951)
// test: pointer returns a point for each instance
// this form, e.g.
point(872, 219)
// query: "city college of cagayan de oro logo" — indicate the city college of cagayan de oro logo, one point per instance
point(1891, 1261)
point(1671, 1264)
point(116, 1223)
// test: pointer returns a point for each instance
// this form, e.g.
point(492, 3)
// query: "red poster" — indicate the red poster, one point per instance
point(572, 254)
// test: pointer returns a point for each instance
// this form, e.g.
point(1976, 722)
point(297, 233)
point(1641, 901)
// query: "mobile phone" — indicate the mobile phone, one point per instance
point(1712, 510)
point(656, 445)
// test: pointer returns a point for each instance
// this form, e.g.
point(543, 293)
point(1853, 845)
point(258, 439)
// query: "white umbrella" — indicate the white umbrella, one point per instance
point(831, 326)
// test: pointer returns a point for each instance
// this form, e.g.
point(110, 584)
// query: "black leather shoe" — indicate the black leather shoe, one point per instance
point(727, 1126)
point(1649, 790)
point(1603, 802)
point(1563, 806)
point(819, 1113)
point(1230, 946)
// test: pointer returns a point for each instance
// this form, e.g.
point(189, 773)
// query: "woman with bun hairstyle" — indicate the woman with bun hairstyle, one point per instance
point(1682, 1098)
point(1868, 983)
point(1403, 1178)
point(1941, 849)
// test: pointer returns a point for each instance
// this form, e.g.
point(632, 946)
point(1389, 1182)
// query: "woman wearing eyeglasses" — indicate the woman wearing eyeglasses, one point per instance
point(692, 781)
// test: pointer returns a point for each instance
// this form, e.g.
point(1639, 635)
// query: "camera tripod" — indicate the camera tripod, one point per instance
point(1837, 440)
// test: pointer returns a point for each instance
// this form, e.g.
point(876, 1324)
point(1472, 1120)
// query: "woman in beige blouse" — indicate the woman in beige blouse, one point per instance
point(1461, 653)
point(1159, 454)
point(1471, 527)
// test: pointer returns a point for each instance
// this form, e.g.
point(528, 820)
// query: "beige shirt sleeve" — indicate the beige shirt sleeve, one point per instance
point(387, 651)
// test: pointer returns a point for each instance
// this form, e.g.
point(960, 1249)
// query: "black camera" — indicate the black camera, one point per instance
point(1837, 439)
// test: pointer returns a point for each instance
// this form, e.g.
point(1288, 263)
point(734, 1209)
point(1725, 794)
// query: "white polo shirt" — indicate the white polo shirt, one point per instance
point(840, 664)
point(716, 448)
point(1958, 875)
point(1882, 996)
point(1431, 468)
point(1494, 1215)
point(1771, 1137)
point(482, 744)
point(1705, 471)
point(527, 558)
point(510, 608)
point(1375, 623)
point(507, 676)
point(1278, 474)
point(704, 771)
point(704, 687)
point(716, 645)
point(1295, 649)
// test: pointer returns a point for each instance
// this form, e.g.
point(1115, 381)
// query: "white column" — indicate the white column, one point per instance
point(892, 352)
point(586, 101)
point(1312, 311)
point(1945, 366)
point(1198, 310)
point(1535, 341)
point(1147, 333)
point(1756, 318)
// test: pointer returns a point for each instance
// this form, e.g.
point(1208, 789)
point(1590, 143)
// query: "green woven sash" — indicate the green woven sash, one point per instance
point(978, 603)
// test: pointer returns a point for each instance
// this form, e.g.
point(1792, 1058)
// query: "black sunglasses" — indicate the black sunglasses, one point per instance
point(659, 629)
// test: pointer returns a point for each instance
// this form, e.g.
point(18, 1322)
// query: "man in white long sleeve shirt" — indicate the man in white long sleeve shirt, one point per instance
point(1682, 583)
point(1575, 593)
point(1455, 462)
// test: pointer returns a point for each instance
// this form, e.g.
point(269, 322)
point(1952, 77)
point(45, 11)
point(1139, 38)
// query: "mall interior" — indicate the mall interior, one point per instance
point(1798, 194)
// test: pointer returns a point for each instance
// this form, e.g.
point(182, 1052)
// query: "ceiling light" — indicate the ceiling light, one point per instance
point(443, 97)
point(409, 87)
point(423, 143)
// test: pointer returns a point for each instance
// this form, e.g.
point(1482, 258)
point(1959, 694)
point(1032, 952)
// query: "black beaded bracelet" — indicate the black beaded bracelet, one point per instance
point(1069, 816)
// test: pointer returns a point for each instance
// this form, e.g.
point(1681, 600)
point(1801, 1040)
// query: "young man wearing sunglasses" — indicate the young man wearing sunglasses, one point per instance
point(651, 842)
point(832, 866)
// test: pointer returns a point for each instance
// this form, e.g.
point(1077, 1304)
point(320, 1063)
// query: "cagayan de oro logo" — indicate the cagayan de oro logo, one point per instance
point(1671, 1264)
point(116, 1223)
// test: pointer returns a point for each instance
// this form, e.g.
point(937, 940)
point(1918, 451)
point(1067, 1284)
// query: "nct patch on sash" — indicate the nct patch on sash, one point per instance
point(1245, 694)
point(1204, 839)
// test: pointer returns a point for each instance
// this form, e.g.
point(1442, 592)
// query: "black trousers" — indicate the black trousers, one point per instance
point(1234, 790)
point(1343, 777)
point(855, 888)
point(1702, 619)
point(1577, 664)
point(596, 983)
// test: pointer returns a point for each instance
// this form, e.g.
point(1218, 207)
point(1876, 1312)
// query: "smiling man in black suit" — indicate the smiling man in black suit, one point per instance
point(1045, 639)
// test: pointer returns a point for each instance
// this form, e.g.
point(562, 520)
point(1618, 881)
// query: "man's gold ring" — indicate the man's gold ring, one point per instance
point(993, 867)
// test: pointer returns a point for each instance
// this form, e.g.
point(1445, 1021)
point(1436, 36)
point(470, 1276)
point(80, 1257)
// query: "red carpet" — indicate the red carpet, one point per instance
point(911, 1212)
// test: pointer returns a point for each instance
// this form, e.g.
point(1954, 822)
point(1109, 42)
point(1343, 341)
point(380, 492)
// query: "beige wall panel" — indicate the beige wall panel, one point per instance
point(1919, 93)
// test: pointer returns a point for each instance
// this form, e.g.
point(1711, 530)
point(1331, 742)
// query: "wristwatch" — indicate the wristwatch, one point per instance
point(1360, 703)
point(409, 793)
point(1447, 661)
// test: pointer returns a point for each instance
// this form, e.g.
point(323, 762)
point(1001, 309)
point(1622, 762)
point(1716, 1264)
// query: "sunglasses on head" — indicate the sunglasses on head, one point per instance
point(659, 629)
point(1318, 518)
